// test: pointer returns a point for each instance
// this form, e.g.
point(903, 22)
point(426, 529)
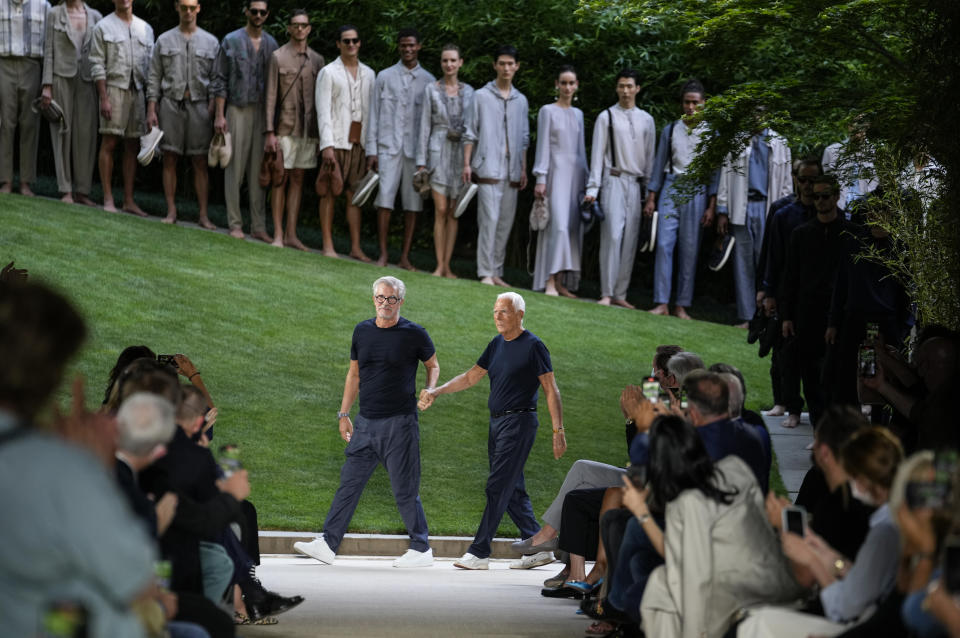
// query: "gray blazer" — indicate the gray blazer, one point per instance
point(60, 56)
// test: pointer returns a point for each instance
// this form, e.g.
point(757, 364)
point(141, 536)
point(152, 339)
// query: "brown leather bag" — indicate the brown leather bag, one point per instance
point(266, 169)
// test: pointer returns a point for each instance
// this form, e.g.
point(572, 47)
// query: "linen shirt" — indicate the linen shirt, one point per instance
point(682, 144)
point(120, 53)
point(734, 182)
point(292, 77)
point(240, 71)
point(499, 130)
point(22, 27)
point(60, 54)
point(180, 64)
point(635, 144)
point(340, 100)
point(395, 110)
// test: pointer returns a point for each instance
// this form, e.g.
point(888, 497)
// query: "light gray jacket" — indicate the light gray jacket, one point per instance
point(395, 111)
point(119, 51)
point(181, 63)
point(493, 125)
point(60, 56)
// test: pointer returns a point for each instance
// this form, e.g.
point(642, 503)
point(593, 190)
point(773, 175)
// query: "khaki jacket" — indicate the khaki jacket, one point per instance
point(181, 63)
point(120, 53)
point(60, 55)
point(292, 77)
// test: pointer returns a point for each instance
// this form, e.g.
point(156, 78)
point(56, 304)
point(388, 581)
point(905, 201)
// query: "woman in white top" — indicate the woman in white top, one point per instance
point(561, 172)
point(440, 150)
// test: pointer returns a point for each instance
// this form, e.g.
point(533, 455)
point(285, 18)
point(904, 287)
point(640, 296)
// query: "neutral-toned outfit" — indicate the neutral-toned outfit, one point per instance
point(620, 186)
point(120, 55)
point(499, 130)
point(748, 185)
point(679, 222)
point(561, 164)
point(343, 106)
point(396, 108)
point(179, 81)
point(66, 68)
point(719, 559)
point(22, 27)
point(290, 111)
point(440, 140)
point(240, 79)
point(857, 178)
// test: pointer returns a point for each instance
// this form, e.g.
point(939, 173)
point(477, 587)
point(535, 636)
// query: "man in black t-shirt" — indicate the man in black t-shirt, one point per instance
point(384, 356)
point(518, 364)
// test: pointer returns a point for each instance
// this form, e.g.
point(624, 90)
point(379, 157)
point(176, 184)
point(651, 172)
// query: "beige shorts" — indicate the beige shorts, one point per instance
point(128, 113)
point(187, 128)
point(298, 152)
point(353, 165)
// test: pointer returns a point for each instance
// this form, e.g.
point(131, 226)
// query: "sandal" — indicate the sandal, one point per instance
point(583, 586)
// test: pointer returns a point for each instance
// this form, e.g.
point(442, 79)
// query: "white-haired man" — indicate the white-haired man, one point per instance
point(518, 364)
point(384, 356)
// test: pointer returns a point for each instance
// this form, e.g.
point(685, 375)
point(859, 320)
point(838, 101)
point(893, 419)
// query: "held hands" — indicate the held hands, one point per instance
point(346, 428)
point(427, 397)
point(769, 305)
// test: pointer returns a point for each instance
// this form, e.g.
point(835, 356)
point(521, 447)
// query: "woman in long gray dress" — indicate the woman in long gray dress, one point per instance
point(561, 172)
point(440, 149)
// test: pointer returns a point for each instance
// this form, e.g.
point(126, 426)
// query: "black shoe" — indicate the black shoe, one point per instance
point(603, 610)
point(271, 604)
point(770, 335)
point(721, 253)
point(757, 326)
point(561, 592)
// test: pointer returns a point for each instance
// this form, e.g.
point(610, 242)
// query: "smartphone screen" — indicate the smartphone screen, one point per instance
point(651, 389)
point(868, 361)
point(795, 520)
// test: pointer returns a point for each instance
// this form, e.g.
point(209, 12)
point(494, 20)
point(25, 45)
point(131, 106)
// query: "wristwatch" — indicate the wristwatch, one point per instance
point(340, 415)
point(838, 566)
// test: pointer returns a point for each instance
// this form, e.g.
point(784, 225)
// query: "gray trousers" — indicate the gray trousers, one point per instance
point(622, 201)
point(746, 256)
point(582, 475)
point(245, 124)
point(496, 208)
point(75, 151)
point(19, 86)
point(678, 231)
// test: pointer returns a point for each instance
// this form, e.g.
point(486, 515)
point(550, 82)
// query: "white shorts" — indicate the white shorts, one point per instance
point(299, 152)
point(396, 172)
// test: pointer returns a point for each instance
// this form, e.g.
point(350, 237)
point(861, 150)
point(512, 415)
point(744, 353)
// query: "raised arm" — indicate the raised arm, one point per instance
point(351, 388)
point(552, 392)
point(456, 384)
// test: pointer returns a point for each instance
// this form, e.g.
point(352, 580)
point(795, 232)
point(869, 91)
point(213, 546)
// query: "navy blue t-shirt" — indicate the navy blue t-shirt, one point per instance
point(514, 368)
point(388, 360)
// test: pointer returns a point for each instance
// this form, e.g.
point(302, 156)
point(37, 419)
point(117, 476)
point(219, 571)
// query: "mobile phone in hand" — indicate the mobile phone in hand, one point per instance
point(794, 520)
point(651, 389)
point(168, 359)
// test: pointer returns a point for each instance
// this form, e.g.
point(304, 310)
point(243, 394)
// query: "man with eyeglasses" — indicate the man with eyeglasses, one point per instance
point(813, 258)
point(343, 106)
point(784, 368)
point(239, 87)
point(384, 357)
point(179, 80)
point(291, 123)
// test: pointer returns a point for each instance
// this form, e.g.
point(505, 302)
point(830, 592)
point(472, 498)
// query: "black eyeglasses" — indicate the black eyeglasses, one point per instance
point(350, 40)
point(819, 196)
point(391, 300)
point(259, 12)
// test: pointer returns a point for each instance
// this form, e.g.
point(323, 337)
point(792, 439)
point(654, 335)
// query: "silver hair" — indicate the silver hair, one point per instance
point(393, 282)
point(682, 364)
point(736, 393)
point(519, 305)
point(144, 421)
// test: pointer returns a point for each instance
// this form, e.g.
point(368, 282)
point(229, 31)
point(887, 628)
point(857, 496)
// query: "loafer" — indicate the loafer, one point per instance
point(549, 546)
point(226, 150)
point(532, 560)
point(317, 549)
point(469, 561)
point(561, 592)
point(213, 155)
point(322, 184)
point(413, 558)
point(271, 604)
point(757, 326)
point(558, 580)
point(521, 547)
point(266, 169)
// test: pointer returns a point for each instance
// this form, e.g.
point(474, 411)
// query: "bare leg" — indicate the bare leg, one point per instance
point(409, 225)
point(105, 161)
point(294, 193)
point(451, 236)
point(170, 186)
point(201, 184)
point(551, 287)
point(612, 499)
point(131, 147)
point(578, 567)
point(353, 221)
point(326, 225)
point(439, 231)
point(277, 200)
point(546, 533)
point(383, 228)
point(660, 309)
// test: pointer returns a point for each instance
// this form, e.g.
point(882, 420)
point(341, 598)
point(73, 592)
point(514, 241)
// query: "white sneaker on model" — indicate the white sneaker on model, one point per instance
point(413, 558)
point(533, 560)
point(148, 145)
point(469, 561)
point(317, 548)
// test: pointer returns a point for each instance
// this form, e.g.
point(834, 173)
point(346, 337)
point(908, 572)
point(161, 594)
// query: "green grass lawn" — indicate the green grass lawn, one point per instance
point(270, 331)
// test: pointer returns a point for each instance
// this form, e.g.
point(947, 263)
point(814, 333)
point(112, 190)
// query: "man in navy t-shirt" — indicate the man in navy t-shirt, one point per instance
point(518, 364)
point(384, 356)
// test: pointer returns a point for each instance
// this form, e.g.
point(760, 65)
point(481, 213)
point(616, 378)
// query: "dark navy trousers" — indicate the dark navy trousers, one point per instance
point(511, 439)
point(395, 442)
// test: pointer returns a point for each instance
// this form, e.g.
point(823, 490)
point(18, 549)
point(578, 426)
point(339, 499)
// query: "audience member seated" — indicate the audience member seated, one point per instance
point(849, 592)
point(720, 554)
point(682, 364)
point(180, 364)
point(737, 386)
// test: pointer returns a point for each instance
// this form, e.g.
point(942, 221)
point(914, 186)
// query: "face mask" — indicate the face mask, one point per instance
point(862, 496)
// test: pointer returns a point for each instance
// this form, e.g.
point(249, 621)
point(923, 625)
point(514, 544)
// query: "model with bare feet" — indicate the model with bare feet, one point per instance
point(66, 79)
point(180, 74)
point(238, 89)
point(119, 73)
point(561, 173)
point(343, 103)
point(440, 150)
point(291, 122)
point(619, 167)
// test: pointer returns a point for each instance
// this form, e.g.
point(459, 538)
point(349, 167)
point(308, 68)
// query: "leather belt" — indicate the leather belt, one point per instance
point(494, 182)
point(617, 173)
point(497, 415)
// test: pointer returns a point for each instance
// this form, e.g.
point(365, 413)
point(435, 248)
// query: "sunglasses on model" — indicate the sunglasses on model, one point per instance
point(351, 40)
point(259, 12)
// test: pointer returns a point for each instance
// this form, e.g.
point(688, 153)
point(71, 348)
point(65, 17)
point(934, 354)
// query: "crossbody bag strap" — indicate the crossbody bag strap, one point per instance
point(613, 149)
point(670, 146)
point(276, 111)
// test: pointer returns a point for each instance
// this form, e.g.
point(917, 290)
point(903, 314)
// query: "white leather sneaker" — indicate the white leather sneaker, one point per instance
point(469, 561)
point(413, 558)
point(533, 560)
point(317, 548)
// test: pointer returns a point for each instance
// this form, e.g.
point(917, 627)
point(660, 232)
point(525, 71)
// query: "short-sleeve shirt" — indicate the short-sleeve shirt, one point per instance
point(388, 360)
point(514, 368)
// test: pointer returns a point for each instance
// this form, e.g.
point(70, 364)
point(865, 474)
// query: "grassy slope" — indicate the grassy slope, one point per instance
point(270, 330)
